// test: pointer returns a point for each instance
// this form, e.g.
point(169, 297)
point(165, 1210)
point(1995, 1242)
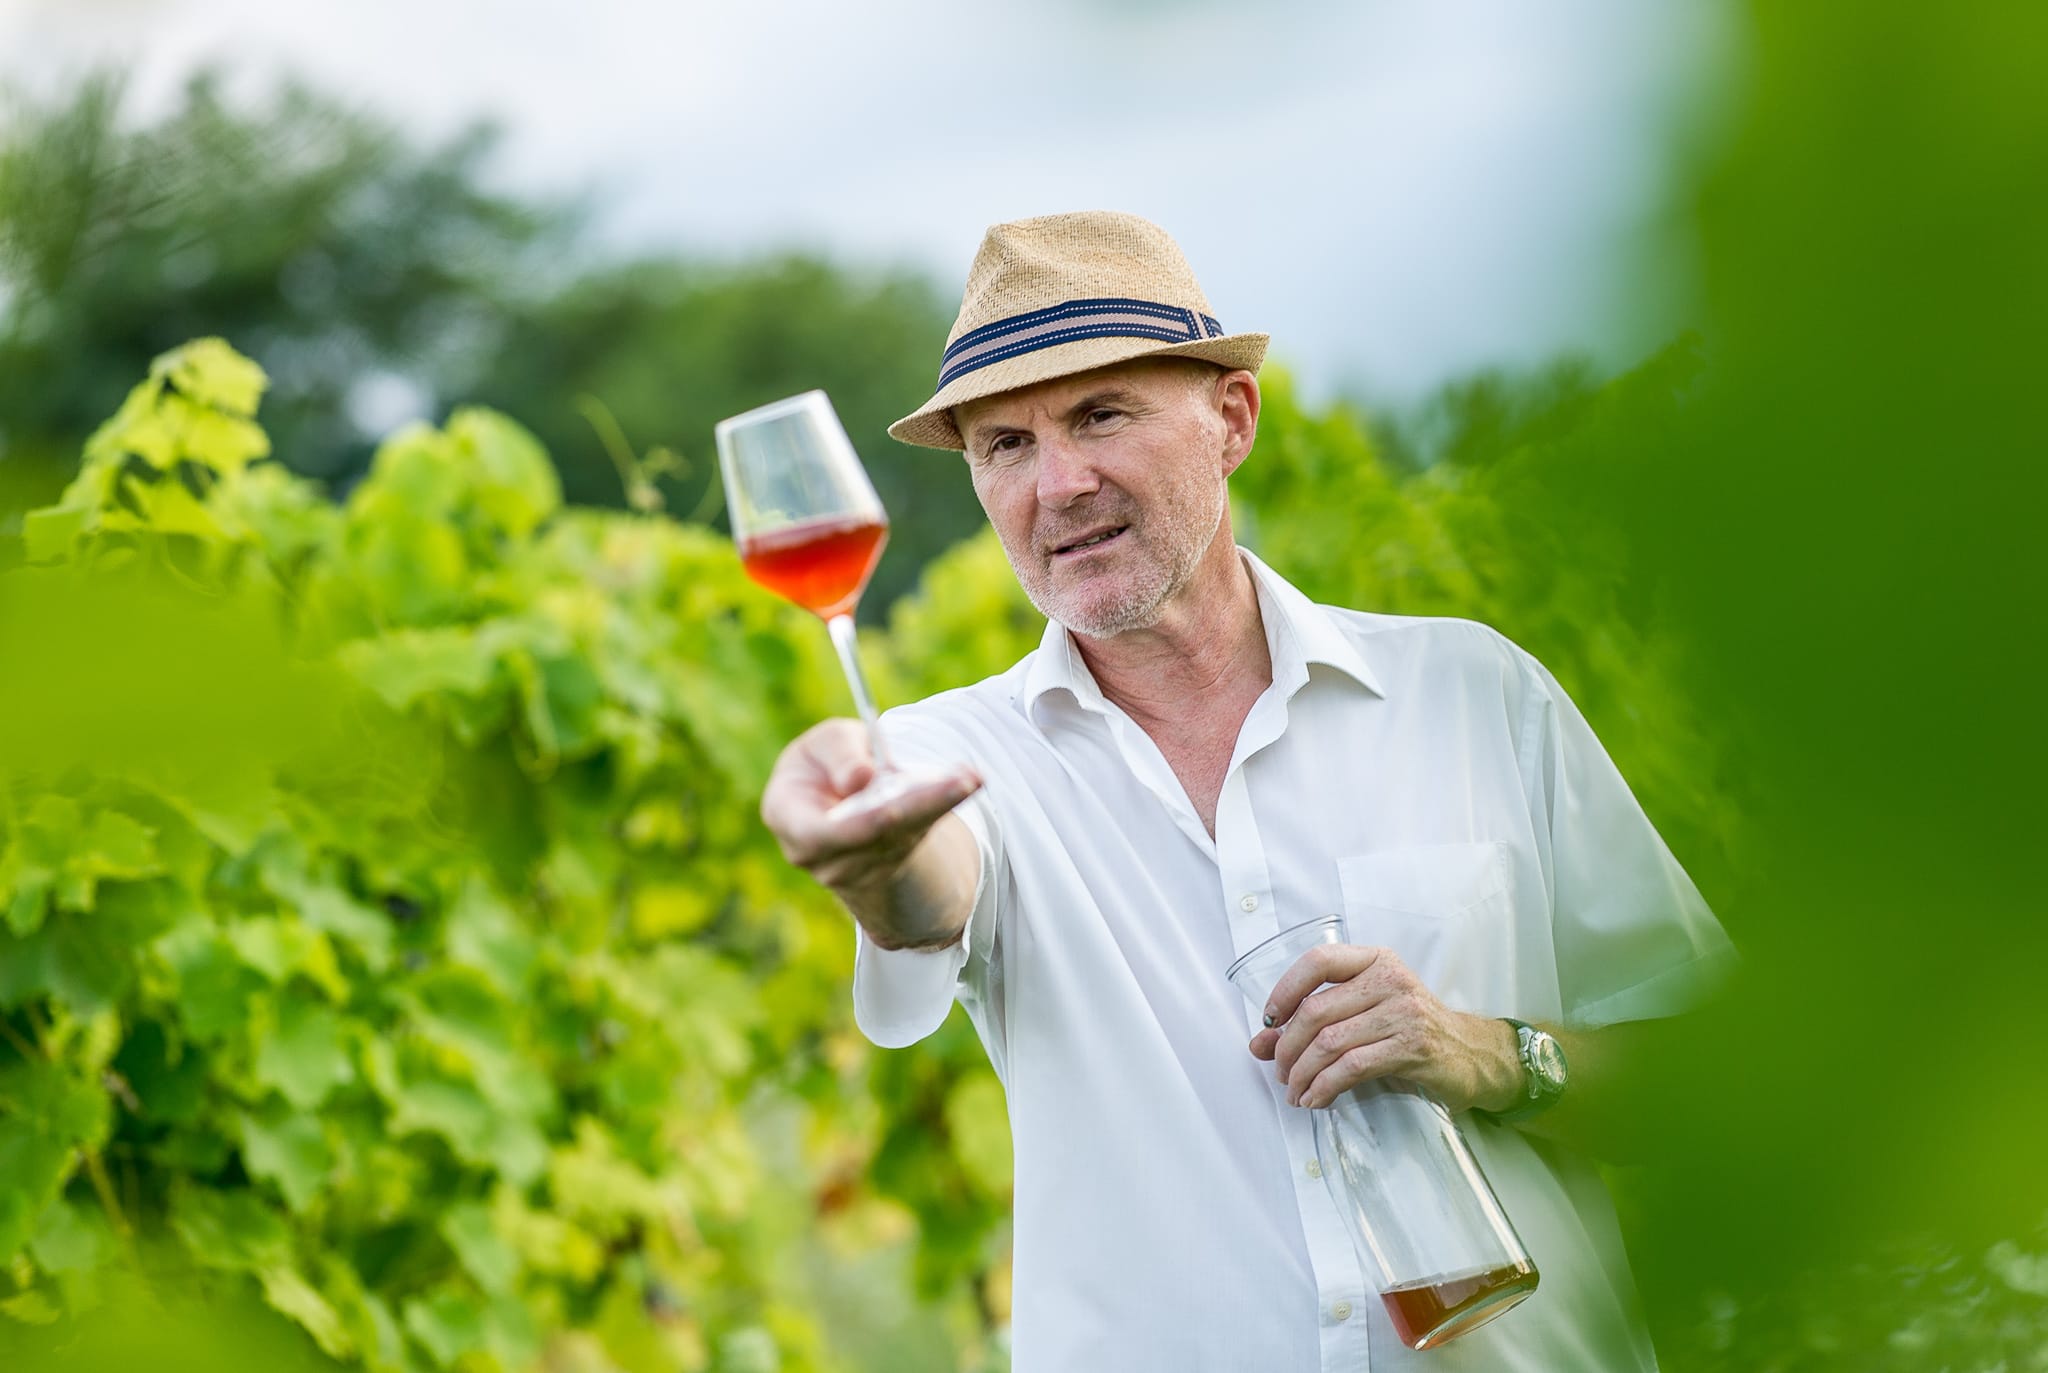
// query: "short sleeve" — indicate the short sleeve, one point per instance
point(902, 995)
point(1634, 939)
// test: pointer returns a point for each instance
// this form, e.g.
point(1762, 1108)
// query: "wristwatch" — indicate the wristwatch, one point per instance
point(1545, 1074)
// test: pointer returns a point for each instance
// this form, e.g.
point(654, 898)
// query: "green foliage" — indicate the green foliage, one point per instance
point(385, 929)
point(1493, 540)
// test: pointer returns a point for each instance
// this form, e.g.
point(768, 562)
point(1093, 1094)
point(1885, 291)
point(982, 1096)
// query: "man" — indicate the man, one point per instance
point(1195, 758)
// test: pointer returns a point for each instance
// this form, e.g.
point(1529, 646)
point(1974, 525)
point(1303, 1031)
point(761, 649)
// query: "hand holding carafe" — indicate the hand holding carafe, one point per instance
point(1427, 1227)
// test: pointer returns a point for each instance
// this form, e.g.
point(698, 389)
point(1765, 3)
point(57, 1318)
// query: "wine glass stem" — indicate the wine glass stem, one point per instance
point(847, 642)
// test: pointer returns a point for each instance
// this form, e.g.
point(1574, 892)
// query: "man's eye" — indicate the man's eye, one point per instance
point(1102, 416)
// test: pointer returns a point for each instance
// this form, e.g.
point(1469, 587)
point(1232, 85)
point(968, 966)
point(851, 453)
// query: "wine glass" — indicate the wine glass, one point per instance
point(811, 529)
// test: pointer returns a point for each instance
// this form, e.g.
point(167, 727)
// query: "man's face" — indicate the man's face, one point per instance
point(1106, 488)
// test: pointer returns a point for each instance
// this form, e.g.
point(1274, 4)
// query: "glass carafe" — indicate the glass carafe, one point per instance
point(1427, 1226)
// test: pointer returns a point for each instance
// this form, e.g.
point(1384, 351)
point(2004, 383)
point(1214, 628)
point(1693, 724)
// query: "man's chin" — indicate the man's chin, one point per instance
point(1102, 621)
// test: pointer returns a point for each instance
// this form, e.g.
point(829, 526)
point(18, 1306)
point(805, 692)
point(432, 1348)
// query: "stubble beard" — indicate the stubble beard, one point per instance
point(1184, 527)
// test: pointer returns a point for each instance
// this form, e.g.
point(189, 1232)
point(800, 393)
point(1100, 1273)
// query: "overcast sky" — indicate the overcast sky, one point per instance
point(1396, 192)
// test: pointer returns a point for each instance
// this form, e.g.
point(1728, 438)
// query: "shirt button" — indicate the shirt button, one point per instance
point(1315, 1168)
point(1342, 1311)
point(1249, 903)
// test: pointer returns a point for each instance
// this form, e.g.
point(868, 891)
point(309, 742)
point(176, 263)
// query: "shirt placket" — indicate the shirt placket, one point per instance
point(1255, 916)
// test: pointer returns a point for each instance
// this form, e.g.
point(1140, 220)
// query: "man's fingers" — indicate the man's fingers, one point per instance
point(1324, 963)
point(903, 809)
point(1360, 1063)
point(1319, 1011)
point(1297, 1067)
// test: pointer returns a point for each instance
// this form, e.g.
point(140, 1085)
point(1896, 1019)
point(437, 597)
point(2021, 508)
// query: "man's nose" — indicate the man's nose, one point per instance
point(1065, 473)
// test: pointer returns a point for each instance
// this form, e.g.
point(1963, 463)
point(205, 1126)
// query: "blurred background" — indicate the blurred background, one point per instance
point(678, 212)
point(392, 963)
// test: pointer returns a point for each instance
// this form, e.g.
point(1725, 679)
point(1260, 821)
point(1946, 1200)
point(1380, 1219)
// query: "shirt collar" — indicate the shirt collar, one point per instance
point(1299, 634)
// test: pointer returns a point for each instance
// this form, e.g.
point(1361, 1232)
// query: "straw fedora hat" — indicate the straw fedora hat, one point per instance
point(1061, 294)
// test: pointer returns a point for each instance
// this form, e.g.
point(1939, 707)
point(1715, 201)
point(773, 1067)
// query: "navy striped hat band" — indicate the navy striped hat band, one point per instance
point(1101, 317)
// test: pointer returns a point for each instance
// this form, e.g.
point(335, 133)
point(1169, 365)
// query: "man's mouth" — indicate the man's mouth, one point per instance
point(1095, 540)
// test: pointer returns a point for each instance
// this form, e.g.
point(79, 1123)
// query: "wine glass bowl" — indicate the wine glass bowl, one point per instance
point(805, 516)
point(810, 528)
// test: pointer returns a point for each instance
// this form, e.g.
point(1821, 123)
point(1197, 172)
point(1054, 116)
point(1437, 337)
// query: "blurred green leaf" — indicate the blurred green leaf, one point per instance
point(290, 1150)
point(305, 1055)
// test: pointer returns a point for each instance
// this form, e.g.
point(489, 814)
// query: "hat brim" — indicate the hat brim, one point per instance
point(931, 426)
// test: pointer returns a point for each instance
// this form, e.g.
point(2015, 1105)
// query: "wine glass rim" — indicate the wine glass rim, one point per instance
point(1290, 932)
point(774, 409)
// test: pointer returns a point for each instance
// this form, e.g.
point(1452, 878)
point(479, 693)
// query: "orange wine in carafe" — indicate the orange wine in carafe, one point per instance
point(1427, 1313)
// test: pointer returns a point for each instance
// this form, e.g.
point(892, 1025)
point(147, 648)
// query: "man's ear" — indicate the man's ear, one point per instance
point(1238, 403)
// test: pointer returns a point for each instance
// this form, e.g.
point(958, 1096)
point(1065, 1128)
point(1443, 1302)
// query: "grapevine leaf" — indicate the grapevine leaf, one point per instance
point(68, 958)
point(714, 697)
point(230, 1229)
point(45, 1114)
point(335, 912)
point(459, 1010)
point(483, 933)
point(214, 985)
point(372, 1329)
point(977, 1121)
point(478, 1135)
point(213, 374)
point(453, 1110)
point(594, 1184)
point(404, 666)
point(546, 1242)
point(472, 1234)
point(562, 698)
point(30, 905)
point(136, 428)
point(291, 1294)
point(168, 508)
point(448, 1325)
point(417, 470)
point(34, 1166)
point(290, 1150)
point(71, 1238)
point(222, 442)
point(265, 944)
point(49, 534)
point(510, 1333)
point(167, 1079)
point(306, 1055)
point(517, 487)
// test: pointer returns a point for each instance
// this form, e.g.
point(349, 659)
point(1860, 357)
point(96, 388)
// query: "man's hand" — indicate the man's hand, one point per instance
point(1376, 1019)
point(895, 867)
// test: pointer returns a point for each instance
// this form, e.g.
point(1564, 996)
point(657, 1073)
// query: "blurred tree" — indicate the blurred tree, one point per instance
point(364, 273)
point(377, 281)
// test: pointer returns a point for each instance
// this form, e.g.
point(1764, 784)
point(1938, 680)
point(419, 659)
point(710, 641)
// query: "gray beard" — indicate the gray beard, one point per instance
point(1142, 610)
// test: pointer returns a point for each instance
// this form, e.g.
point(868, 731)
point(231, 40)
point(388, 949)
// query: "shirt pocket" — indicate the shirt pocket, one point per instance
point(1446, 909)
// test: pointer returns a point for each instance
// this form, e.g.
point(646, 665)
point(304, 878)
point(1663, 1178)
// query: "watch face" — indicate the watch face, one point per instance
point(1548, 1060)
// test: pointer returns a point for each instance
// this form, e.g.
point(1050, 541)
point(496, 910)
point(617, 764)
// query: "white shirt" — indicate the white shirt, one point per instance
point(1425, 777)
